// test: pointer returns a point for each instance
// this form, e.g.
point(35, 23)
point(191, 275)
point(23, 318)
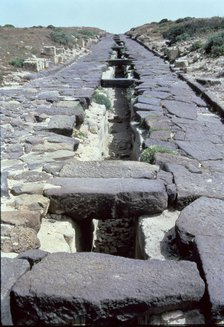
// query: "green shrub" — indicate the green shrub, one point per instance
point(101, 98)
point(191, 27)
point(52, 27)
point(196, 45)
point(17, 62)
point(88, 33)
point(156, 30)
point(164, 20)
point(181, 20)
point(182, 37)
point(173, 32)
point(218, 51)
point(60, 37)
point(1, 78)
point(9, 25)
point(85, 34)
point(215, 45)
point(148, 154)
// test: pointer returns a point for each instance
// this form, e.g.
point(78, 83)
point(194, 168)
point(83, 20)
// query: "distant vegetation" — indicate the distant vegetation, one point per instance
point(87, 33)
point(185, 28)
point(189, 28)
point(58, 35)
point(9, 25)
point(215, 45)
point(196, 45)
point(17, 62)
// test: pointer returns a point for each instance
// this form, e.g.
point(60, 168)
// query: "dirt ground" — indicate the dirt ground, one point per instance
point(26, 42)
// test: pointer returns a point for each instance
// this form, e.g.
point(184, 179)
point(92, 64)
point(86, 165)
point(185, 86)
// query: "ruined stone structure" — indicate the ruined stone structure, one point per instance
point(89, 233)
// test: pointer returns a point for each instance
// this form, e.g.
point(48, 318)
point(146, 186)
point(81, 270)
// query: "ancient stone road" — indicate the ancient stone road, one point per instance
point(40, 176)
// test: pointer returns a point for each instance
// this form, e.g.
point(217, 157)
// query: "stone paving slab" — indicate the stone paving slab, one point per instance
point(149, 100)
point(193, 183)
point(109, 169)
point(62, 288)
point(62, 124)
point(11, 270)
point(106, 198)
point(181, 109)
point(204, 216)
point(202, 150)
point(209, 254)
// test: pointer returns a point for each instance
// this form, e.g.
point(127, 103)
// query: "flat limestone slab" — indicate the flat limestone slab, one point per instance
point(109, 169)
point(209, 251)
point(65, 287)
point(106, 198)
point(204, 216)
point(155, 236)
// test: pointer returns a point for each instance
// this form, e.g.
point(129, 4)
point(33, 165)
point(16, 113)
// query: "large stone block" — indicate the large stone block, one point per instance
point(19, 240)
point(11, 270)
point(202, 217)
point(193, 182)
point(109, 169)
point(64, 288)
point(106, 198)
point(49, 50)
point(209, 254)
point(25, 218)
point(156, 235)
point(62, 124)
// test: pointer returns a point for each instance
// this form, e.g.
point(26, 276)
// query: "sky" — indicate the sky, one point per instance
point(115, 16)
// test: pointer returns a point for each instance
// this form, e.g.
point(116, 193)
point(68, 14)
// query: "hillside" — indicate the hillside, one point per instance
point(19, 44)
point(193, 46)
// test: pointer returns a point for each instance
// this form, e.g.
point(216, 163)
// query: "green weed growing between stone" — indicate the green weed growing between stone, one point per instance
point(17, 62)
point(78, 134)
point(101, 97)
point(148, 154)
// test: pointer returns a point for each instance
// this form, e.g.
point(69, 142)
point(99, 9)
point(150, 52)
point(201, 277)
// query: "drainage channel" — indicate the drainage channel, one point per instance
point(112, 141)
point(117, 236)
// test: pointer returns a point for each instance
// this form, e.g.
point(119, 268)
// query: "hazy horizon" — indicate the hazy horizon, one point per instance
point(115, 16)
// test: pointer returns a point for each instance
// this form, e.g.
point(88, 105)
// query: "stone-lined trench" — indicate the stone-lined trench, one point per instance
point(111, 236)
